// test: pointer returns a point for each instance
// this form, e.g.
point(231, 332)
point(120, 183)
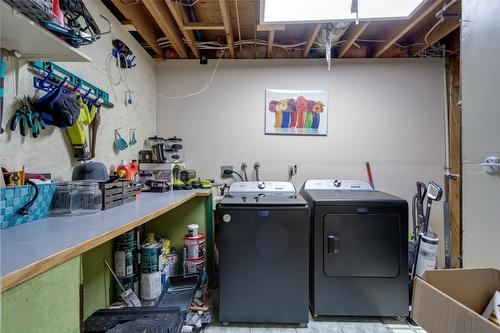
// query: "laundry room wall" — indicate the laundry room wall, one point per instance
point(386, 111)
point(52, 151)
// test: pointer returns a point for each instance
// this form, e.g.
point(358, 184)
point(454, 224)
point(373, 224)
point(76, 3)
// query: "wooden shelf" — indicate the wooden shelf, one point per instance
point(32, 41)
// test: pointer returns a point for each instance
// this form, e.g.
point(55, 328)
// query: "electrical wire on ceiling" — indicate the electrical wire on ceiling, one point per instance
point(202, 89)
point(177, 2)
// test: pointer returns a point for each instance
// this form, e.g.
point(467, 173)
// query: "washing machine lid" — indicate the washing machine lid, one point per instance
point(263, 193)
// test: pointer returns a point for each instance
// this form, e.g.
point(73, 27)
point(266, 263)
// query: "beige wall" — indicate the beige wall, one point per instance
point(52, 152)
point(388, 112)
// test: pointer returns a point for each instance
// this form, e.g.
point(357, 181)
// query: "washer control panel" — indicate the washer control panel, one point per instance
point(278, 188)
point(337, 184)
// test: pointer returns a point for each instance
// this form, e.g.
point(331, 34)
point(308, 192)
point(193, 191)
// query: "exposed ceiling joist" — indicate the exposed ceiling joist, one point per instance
point(270, 44)
point(269, 27)
point(160, 13)
point(180, 17)
point(311, 39)
point(141, 23)
point(350, 37)
point(441, 30)
point(226, 18)
point(203, 26)
point(394, 35)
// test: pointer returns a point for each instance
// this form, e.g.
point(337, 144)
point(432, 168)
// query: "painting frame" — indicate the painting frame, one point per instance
point(296, 112)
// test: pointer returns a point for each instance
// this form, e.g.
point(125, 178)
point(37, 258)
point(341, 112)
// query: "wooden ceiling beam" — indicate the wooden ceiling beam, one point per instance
point(269, 27)
point(350, 37)
point(394, 35)
point(180, 17)
point(270, 44)
point(226, 18)
point(439, 32)
point(161, 15)
point(140, 21)
point(202, 26)
point(311, 39)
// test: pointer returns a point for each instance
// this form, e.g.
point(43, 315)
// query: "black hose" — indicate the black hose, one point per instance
point(25, 210)
point(227, 171)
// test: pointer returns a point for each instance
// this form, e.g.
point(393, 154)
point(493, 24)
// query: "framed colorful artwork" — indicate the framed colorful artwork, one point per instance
point(296, 112)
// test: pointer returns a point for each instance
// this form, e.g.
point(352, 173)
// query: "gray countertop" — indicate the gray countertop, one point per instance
point(31, 243)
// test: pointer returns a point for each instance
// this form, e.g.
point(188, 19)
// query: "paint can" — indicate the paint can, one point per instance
point(151, 257)
point(126, 241)
point(125, 263)
point(193, 230)
point(125, 254)
point(194, 266)
point(173, 262)
point(195, 246)
point(150, 286)
point(128, 282)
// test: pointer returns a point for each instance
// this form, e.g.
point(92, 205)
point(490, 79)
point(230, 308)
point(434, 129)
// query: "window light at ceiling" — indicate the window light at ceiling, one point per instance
point(296, 11)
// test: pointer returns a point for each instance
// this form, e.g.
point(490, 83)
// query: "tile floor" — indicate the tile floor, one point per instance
point(325, 325)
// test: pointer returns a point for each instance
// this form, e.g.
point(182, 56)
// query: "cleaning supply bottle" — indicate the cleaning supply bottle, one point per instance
point(124, 171)
point(134, 169)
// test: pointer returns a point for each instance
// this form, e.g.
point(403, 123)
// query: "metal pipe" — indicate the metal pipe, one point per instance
point(192, 16)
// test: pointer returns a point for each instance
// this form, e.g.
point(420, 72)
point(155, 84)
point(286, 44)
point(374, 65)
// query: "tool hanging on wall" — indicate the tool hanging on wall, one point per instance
point(4, 57)
point(123, 54)
point(26, 118)
point(72, 31)
point(49, 75)
point(132, 140)
point(93, 131)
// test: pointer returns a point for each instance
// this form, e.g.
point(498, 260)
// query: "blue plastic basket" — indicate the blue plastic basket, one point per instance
point(15, 197)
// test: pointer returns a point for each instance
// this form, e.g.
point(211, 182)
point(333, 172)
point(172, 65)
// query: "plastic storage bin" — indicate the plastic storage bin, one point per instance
point(15, 197)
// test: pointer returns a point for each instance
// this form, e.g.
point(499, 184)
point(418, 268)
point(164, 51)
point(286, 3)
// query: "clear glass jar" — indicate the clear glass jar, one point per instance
point(65, 195)
point(90, 197)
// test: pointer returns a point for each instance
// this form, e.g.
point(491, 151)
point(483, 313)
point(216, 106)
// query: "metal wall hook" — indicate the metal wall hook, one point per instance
point(106, 32)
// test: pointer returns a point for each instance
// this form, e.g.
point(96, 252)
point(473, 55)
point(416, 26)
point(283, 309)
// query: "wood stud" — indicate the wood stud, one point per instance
point(350, 37)
point(226, 18)
point(311, 39)
point(141, 23)
point(394, 35)
point(179, 15)
point(161, 14)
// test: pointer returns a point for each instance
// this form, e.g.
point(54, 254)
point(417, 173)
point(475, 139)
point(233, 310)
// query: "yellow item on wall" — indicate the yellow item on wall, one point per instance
point(77, 131)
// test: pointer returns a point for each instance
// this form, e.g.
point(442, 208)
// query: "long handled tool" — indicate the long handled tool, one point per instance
point(128, 295)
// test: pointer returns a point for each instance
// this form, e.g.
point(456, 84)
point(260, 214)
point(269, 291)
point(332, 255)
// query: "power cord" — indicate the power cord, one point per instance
point(25, 210)
point(230, 172)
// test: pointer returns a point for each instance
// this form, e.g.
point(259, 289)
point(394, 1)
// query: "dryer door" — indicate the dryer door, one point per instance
point(362, 245)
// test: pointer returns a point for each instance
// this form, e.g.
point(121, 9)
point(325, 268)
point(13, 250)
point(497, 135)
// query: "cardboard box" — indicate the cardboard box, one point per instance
point(453, 300)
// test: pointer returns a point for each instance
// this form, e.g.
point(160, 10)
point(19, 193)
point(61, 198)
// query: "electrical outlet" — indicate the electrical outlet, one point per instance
point(225, 167)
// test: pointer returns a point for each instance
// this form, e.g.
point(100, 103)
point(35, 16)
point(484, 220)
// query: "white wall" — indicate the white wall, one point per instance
point(52, 152)
point(480, 134)
point(388, 112)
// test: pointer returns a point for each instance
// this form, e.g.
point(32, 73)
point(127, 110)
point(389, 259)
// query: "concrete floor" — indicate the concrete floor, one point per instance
point(325, 325)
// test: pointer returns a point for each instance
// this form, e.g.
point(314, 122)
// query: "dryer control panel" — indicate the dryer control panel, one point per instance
point(337, 184)
point(252, 188)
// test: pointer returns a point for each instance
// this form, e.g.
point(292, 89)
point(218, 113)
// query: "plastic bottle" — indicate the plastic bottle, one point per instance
point(124, 171)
